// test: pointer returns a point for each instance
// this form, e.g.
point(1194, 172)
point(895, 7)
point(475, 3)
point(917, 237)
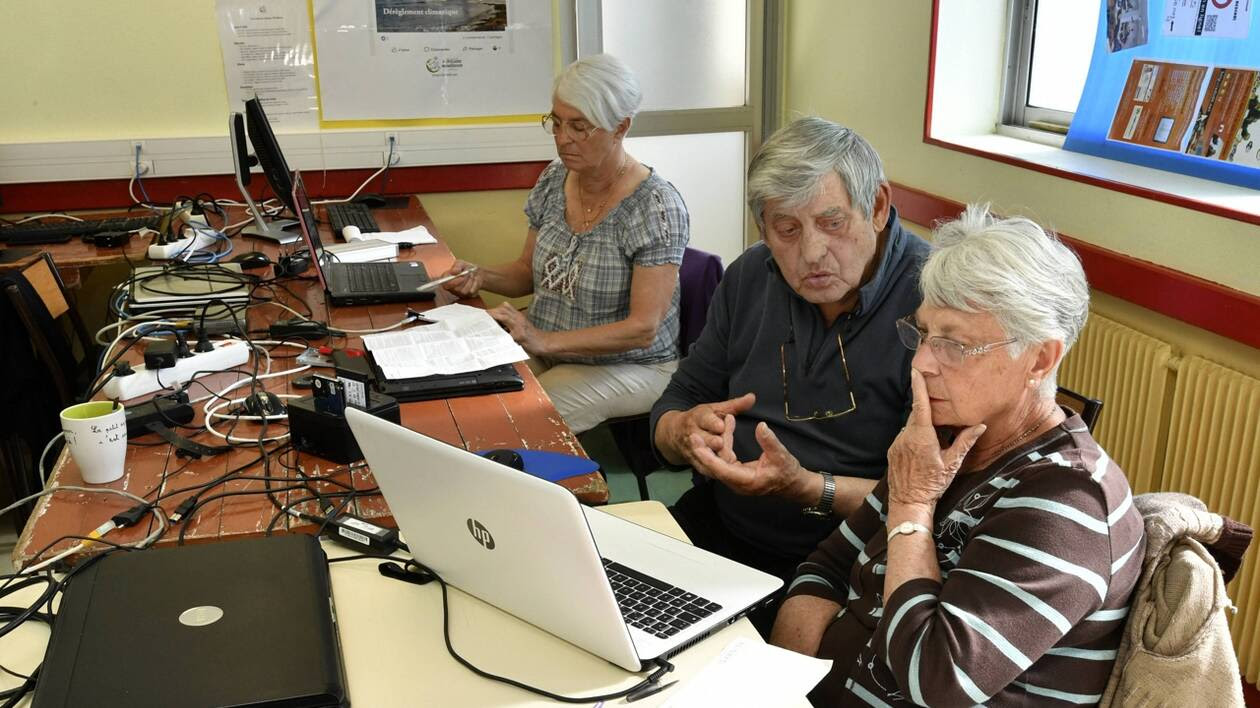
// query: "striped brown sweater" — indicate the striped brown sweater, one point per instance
point(1038, 553)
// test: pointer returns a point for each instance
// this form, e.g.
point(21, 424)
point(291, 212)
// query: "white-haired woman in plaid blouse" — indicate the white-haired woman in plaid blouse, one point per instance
point(606, 237)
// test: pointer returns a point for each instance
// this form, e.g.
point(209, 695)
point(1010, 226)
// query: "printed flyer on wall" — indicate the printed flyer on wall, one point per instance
point(1188, 100)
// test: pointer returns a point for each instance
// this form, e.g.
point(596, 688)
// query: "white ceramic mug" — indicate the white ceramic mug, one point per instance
point(96, 433)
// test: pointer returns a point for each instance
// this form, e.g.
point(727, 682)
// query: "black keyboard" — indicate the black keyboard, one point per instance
point(62, 231)
point(654, 606)
point(372, 278)
point(351, 214)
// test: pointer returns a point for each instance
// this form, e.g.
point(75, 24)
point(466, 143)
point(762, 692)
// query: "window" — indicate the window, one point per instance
point(1048, 53)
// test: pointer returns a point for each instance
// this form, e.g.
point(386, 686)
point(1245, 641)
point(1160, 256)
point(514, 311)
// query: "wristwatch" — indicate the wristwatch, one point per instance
point(907, 528)
point(823, 508)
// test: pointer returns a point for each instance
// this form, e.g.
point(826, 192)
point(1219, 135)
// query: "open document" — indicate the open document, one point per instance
point(462, 339)
point(750, 673)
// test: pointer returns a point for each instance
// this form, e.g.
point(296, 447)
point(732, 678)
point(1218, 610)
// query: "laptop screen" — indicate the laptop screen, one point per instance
point(310, 227)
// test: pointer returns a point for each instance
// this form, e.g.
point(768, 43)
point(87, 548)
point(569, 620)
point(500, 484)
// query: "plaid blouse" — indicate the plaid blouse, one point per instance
point(583, 280)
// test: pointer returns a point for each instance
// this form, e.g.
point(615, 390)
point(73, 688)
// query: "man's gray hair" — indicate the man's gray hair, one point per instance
point(1012, 269)
point(602, 88)
point(792, 163)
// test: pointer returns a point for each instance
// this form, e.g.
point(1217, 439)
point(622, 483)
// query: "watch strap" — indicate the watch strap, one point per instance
point(907, 528)
point(828, 498)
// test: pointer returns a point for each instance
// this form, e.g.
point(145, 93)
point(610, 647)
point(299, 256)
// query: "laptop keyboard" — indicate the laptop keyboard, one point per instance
point(371, 278)
point(654, 606)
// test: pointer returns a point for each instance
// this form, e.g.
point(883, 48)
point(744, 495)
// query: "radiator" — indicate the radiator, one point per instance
point(1129, 372)
point(1213, 453)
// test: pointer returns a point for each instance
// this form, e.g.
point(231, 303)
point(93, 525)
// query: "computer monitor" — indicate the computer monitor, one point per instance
point(267, 149)
point(241, 162)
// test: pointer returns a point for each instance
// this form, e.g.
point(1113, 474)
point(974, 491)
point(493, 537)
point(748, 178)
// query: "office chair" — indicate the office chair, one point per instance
point(43, 373)
point(698, 277)
point(1087, 408)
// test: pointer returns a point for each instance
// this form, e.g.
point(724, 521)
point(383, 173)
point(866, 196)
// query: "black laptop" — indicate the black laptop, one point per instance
point(240, 623)
point(357, 283)
point(496, 379)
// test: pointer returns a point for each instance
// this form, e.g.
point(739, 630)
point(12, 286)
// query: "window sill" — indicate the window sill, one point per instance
point(1043, 152)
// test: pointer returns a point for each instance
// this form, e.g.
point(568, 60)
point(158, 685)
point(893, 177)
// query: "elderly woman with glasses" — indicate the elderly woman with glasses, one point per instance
point(995, 561)
point(606, 237)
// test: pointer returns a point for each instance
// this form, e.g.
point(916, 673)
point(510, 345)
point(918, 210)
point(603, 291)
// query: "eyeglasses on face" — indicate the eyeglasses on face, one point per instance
point(946, 351)
point(800, 410)
point(578, 129)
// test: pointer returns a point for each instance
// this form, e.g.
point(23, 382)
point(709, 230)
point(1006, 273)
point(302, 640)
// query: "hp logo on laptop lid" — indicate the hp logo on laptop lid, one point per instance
point(481, 534)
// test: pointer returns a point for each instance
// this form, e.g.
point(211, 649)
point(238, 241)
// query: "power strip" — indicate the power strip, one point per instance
point(195, 241)
point(226, 355)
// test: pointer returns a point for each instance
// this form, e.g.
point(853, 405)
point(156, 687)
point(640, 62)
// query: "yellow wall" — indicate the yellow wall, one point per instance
point(100, 70)
point(865, 64)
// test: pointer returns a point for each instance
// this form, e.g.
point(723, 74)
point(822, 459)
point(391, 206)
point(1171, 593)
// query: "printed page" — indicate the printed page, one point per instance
point(461, 340)
point(751, 673)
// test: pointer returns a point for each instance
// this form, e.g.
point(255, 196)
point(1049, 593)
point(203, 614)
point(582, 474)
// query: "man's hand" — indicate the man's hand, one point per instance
point(777, 471)
point(708, 420)
point(526, 334)
point(919, 471)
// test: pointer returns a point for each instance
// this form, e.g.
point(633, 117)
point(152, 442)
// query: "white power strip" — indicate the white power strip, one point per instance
point(194, 241)
point(226, 355)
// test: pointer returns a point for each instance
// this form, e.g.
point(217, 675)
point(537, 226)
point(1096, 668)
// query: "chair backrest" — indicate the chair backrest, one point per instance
point(1086, 407)
point(39, 298)
point(698, 277)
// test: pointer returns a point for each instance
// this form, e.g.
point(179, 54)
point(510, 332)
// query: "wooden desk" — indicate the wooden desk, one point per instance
point(391, 638)
point(519, 419)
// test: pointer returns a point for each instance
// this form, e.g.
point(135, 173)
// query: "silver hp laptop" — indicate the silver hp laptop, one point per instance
point(611, 587)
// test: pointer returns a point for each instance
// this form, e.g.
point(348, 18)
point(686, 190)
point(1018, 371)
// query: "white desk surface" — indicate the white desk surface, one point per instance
point(391, 637)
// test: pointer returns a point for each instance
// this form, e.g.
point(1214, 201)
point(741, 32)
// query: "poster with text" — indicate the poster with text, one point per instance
point(1157, 104)
point(402, 59)
point(1189, 103)
point(267, 52)
point(1224, 19)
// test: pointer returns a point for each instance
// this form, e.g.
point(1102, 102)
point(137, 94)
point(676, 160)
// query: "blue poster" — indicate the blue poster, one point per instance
point(1174, 85)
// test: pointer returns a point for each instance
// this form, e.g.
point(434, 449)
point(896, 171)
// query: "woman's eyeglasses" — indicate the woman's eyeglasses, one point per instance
point(946, 351)
point(798, 412)
point(578, 129)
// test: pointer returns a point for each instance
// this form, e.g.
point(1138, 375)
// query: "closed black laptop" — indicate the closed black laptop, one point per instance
point(357, 283)
point(241, 623)
point(496, 379)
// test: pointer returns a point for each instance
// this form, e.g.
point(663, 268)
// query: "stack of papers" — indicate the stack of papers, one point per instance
point(461, 339)
point(362, 250)
point(751, 673)
point(415, 235)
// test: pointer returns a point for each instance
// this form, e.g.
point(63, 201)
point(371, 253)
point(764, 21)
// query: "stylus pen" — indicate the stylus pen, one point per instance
point(432, 284)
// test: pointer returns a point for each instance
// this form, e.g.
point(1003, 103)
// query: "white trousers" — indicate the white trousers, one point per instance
point(587, 395)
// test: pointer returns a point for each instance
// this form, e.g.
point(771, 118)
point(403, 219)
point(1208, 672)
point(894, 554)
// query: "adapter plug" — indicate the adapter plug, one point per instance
point(160, 355)
point(297, 328)
point(364, 535)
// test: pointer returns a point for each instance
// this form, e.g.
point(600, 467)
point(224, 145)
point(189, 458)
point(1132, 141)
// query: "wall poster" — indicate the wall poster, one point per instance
point(402, 59)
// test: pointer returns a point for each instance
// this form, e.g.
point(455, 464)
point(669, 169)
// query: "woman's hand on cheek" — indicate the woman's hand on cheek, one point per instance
point(919, 470)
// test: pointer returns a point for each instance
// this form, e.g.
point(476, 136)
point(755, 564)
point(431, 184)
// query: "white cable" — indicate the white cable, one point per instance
point(42, 478)
point(406, 320)
point(366, 182)
point(44, 216)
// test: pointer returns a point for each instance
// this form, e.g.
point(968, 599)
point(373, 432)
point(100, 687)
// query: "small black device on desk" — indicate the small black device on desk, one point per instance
point(239, 623)
point(62, 231)
point(343, 214)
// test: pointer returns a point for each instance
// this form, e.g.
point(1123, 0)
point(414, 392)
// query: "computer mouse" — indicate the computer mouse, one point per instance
point(253, 259)
point(510, 458)
point(371, 201)
point(265, 404)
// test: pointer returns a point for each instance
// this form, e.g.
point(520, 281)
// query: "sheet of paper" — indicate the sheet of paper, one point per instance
point(1219, 19)
point(462, 339)
point(751, 673)
point(415, 235)
point(267, 51)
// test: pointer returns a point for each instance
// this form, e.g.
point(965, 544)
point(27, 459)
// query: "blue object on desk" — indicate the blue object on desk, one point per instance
point(552, 466)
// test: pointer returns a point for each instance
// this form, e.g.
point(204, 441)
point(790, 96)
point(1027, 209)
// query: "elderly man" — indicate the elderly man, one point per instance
point(799, 359)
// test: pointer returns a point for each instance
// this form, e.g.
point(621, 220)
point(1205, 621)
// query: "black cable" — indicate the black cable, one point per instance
point(663, 666)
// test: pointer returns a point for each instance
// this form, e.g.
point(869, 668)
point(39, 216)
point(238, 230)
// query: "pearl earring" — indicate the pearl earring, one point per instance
point(1032, 383)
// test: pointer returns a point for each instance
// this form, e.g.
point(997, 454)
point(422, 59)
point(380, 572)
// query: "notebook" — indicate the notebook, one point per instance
point(618, 590)
point(239, 623)
point(496, 379)
point(356, 283)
